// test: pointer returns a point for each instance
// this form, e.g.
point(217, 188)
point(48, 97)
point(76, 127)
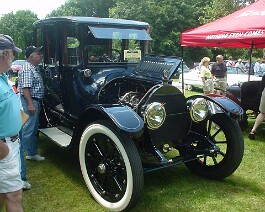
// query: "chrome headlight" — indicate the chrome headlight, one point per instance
point(155, 115)
point(199, 110)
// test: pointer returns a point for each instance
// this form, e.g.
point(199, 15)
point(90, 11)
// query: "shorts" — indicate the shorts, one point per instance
point(262, 102)
point(220, 83)
point(10, 180)
point(208, 86)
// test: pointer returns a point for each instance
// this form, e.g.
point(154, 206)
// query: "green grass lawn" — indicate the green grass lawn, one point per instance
point(57, 184)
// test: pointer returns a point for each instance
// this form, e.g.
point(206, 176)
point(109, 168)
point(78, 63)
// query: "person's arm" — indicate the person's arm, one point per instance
point(202, 74)
point(212, 71)
point(27, 96)
point(3, 149)
point(225, 70)
point(203, 80)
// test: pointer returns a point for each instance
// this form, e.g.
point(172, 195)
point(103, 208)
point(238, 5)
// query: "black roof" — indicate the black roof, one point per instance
point(92, 21)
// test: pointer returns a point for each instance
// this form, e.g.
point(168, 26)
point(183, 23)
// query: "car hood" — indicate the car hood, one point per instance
point(157, 68)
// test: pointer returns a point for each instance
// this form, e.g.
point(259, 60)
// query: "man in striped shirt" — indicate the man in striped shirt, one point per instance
point(31, 89)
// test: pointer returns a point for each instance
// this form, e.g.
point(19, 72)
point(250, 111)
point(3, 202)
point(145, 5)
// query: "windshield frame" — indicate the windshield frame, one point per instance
point(119, 33)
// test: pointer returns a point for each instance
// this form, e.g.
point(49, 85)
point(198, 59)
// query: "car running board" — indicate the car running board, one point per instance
point(59, 137)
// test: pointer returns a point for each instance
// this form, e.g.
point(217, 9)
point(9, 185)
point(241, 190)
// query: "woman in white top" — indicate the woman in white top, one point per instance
point(206, 76)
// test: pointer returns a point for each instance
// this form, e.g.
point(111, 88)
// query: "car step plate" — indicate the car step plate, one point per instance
point(58, 136)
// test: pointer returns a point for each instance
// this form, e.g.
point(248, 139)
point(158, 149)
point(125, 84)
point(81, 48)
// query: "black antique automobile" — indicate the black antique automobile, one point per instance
point(106, 96)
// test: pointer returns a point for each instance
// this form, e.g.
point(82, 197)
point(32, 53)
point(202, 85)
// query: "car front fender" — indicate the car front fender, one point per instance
point(124, 118)
point(224, 104)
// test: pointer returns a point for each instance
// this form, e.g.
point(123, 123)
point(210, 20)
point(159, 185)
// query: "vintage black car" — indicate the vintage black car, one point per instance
point(106, 96)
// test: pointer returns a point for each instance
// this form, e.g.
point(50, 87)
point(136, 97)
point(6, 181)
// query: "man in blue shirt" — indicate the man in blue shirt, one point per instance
point(10, 125)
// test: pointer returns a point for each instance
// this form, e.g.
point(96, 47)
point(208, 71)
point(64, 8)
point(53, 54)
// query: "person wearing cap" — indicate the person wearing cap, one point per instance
point(240, 65)
point(31, 89)
point(206, 76)
point(219, 74)
point(10, 125)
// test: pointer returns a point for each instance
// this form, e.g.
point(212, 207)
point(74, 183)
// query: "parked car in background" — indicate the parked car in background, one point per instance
point(195, 65)
point(186, 69)
point(13, 84)
point(235, 77)
point(17, 65)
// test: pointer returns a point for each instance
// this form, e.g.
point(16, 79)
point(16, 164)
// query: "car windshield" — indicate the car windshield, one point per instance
point(116, 45)
point(116, 33)
point(105, 50)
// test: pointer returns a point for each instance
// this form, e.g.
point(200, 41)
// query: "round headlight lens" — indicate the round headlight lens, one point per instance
point(155, 115)
point(199, 110)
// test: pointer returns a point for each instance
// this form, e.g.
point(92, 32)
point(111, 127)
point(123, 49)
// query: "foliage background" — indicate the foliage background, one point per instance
point(167, 18)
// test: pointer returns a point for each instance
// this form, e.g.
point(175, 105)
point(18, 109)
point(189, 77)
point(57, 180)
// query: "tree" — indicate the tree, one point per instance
point(167, 18)
point(19, 27)
point(217, 9)
point(90, 8)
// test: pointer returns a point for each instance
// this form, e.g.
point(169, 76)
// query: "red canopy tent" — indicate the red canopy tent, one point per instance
point(244, 28)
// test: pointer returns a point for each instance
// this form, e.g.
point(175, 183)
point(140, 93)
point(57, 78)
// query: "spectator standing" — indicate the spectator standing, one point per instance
point(219, 74)
point(10, 181)
point(260, 118)
point(240, 65)
point(31, 89)
point(230, 62)
point(247, 65)
point(257, 67)
point(206, 76)
point(262, 67)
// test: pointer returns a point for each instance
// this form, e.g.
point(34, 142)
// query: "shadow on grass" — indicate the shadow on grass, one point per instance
point(65, 160)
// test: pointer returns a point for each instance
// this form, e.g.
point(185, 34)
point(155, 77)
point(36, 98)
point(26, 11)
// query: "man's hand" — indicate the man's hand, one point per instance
point(4, 150)
point(31, 108)
point(27, 96)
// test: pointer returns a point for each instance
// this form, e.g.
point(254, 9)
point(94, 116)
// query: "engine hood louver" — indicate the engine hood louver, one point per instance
point(157, 67)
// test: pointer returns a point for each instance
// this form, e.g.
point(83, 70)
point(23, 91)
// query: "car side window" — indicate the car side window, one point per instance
point(73, 51)
point(71, 46)
point(51, 54)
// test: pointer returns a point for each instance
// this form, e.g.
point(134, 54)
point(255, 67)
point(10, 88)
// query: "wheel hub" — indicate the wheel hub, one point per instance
point(101, 168)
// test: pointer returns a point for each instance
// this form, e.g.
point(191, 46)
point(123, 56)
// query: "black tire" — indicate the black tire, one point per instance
point(111, 167)
point(227, 135)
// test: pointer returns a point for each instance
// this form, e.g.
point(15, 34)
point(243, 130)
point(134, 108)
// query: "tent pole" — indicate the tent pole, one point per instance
point(182, 75)
point(250, 60)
